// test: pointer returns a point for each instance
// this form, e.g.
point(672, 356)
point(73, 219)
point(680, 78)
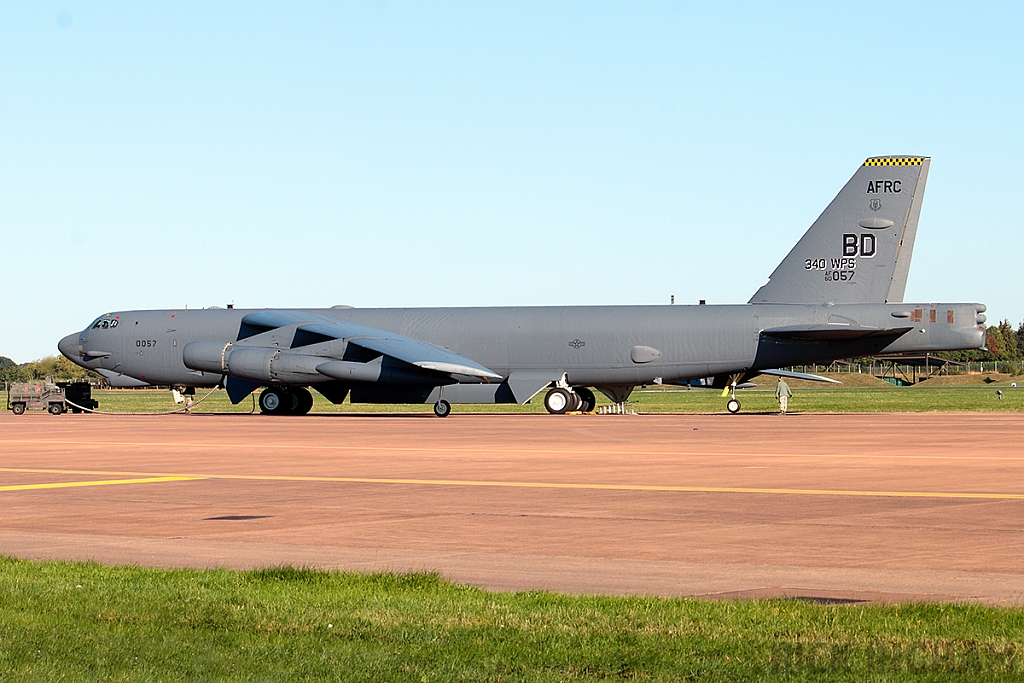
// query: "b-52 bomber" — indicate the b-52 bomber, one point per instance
point(837, 294)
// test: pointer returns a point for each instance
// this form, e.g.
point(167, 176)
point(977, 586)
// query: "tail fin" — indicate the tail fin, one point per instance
point(859, 249)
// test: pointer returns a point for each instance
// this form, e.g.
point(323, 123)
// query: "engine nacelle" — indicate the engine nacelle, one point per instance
point(208, 356)
point(257, 364)
point(273, 366)
point(282, 366)
point(249, 363)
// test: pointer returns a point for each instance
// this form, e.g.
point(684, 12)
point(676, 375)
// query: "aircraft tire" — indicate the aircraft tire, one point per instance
point(274, 401)
point(18, 408)
point(575, 402)
point(304, 401)
point(442, 408)
point(733, 406)
point(558, 401)
point(587, 399)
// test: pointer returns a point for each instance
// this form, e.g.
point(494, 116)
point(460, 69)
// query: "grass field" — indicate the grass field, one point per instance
point(858, 394)
point(86, 622)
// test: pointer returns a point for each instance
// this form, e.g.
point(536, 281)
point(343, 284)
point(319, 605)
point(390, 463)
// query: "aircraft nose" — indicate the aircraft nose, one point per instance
point(68, 346)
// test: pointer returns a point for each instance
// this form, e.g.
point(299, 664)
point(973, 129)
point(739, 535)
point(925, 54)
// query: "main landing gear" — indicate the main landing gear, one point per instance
point(561, 400)
point(442, 408)
point(285, 401)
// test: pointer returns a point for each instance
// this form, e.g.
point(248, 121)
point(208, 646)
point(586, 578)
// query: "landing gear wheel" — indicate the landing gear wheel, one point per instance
point(733, 406)
point(575, 402)
point(304, 401)
point(18, 408)
point(442, 408)
point(275, 401)
point(587, 399)
point(55, 409)
point(558, 401)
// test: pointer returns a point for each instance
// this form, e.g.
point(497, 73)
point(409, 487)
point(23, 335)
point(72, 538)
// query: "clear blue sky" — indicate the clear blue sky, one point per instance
point(430, 154)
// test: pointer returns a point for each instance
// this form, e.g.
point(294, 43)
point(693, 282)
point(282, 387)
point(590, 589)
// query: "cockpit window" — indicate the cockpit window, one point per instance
point(105, 323)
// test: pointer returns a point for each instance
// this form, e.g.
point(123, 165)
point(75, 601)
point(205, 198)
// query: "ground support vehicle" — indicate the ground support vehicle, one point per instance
point(78, 396)
point(22, 396)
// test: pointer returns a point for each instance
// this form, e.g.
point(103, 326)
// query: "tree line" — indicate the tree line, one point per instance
point(57, 366)
point(1003, 343)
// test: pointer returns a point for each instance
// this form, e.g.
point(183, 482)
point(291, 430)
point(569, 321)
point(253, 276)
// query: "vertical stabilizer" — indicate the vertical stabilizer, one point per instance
point(859, 249)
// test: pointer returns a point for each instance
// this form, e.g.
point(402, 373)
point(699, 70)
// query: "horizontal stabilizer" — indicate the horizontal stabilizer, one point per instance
point(799, 375)
point(833, 332)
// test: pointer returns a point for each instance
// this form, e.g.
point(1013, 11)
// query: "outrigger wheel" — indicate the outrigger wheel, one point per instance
point(442, 408)
point(733, 406)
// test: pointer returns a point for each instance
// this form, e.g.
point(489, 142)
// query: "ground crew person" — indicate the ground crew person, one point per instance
point(782, 393)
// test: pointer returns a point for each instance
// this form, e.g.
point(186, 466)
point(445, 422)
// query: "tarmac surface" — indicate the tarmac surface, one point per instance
point(873, 508)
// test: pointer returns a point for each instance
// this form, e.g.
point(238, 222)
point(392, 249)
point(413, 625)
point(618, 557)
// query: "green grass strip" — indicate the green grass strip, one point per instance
point(677, 400)
point(86, 622)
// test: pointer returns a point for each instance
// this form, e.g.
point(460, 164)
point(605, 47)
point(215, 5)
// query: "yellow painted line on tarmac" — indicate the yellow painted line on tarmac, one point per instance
point(535, 485)
point(974, 457)
point(73, 484)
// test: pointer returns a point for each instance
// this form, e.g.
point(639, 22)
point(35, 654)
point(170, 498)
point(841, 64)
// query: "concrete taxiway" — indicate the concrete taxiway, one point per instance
point(835, 507)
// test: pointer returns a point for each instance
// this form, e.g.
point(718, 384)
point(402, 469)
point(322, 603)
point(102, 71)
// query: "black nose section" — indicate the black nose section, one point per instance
point(68, 346)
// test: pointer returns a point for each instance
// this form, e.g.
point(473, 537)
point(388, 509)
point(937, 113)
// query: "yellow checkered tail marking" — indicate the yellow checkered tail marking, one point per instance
point(894, 161)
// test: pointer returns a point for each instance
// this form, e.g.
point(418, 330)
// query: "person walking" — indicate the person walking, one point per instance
point(782, 394)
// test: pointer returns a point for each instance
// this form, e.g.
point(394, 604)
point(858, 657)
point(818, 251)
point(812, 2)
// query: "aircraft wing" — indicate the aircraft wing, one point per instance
point(413, 351)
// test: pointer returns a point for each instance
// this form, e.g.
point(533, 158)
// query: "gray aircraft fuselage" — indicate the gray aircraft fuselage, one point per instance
point(592, 344)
